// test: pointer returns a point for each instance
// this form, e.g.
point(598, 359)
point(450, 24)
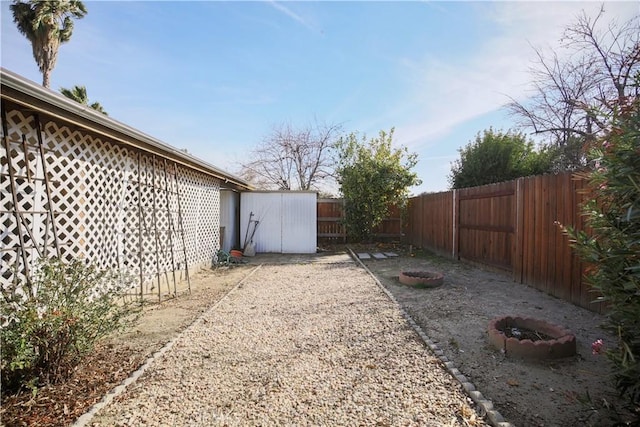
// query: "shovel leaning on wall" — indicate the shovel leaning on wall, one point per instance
point(250, 248)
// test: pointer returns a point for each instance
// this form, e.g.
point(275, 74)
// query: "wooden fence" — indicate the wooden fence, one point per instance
point(513, 226)
point(331, 229)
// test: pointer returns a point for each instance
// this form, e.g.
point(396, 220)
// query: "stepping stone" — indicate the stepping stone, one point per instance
point(364, 255)
point(390, 254)
point(378, 256)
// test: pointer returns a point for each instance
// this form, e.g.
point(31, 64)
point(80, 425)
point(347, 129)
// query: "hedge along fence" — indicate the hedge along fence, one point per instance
point(512, 226)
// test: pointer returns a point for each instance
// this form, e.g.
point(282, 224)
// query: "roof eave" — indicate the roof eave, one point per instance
point(33, 96)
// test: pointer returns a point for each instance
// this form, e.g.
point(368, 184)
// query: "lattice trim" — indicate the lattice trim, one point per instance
point(109, 202)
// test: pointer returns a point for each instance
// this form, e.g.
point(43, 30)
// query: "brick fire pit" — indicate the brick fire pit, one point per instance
point(421, 279)
point(531, 338)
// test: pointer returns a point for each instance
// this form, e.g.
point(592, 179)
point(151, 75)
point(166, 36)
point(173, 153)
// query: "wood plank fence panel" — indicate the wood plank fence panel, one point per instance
point(567, 215)
point(391, 226)
point(415, 216)
point(431, 222)
point(330, 229)
point(487, 224)
point(438, 230)
point(544, 223)
point(329, 216)
point(549, 263)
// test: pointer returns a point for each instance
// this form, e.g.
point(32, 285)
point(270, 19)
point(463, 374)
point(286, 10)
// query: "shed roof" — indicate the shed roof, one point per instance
point(33, 96)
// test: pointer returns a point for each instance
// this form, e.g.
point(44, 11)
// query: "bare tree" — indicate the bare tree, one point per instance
point(294, 159)
point(576, 89)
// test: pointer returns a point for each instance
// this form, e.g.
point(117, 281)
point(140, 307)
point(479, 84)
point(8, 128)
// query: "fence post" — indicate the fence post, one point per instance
point(518, 251)
point(420, 241)
point(454, 224)
point(343, 227)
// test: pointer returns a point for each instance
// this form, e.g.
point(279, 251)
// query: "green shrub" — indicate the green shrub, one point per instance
point(373, 176)
point(48, 325)
point(611, 247)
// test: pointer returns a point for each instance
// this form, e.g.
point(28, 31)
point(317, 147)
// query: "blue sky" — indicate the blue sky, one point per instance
point(215, 77)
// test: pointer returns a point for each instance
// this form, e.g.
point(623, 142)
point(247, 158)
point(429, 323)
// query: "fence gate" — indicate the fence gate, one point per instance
point(486, 224)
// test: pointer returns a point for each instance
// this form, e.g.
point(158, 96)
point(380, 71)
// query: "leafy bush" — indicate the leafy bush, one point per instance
point(48, 325)
point(612, 246)
point(373, 175)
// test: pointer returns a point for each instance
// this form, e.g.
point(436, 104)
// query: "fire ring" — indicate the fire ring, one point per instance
point(530, 338)
point(421, 279)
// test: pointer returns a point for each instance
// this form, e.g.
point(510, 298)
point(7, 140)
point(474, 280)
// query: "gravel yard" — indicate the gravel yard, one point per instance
point(297, 344)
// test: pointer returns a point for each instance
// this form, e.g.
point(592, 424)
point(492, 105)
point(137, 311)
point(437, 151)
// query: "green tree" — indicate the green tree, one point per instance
point(496, 157)
point(79, 94)
point(611, 248)
point(47, 24)
point(372, 176)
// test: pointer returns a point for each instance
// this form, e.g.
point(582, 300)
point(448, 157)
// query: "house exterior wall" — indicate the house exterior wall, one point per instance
point(287, 221)
point(116, 206)
point(229, 211)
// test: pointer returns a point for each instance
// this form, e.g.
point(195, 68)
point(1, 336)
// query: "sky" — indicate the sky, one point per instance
point(215, 77)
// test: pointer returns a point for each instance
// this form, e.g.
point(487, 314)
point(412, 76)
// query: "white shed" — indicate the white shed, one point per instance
point(284, 221)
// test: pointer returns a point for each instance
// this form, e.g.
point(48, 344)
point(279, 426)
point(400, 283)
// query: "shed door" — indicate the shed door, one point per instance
point(287, 221)
point(267, 209)
point(299, 217)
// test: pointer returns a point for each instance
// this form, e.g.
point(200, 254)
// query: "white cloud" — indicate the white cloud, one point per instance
point(447, 92)
point(291, 14)
point(450, 91)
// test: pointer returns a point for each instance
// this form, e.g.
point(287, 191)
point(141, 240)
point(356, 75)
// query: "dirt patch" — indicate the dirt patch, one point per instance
point(116, 357)
point(455, 316)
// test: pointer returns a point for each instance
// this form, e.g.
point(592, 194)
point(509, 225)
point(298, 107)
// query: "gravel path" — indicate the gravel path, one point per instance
point(304, 344)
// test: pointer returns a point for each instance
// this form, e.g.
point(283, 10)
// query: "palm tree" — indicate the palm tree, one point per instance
point(79, 94)
point(47, 24)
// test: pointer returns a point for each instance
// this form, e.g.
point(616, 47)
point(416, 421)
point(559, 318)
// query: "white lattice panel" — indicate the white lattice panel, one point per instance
point(31, 221)
point(202, 229)
point(114, 206)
